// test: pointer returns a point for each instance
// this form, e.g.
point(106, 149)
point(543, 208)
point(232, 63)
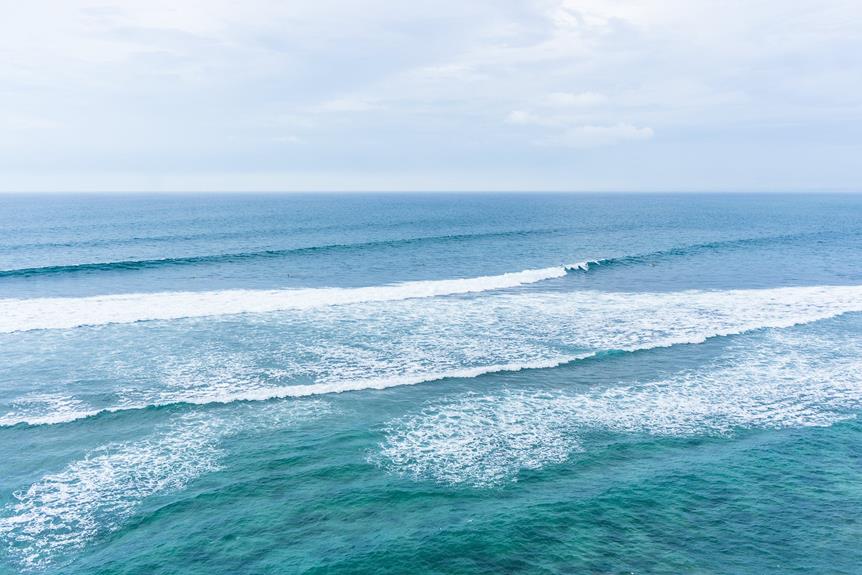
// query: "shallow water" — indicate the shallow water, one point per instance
point(431, 384)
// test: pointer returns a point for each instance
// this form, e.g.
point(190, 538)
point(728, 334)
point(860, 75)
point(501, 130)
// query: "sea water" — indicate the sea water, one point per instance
point(385, 383)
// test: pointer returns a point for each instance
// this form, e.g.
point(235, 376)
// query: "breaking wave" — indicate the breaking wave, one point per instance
point(371, 346)
point(69, 312)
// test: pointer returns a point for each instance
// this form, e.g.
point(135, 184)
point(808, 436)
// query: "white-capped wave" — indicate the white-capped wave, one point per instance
point(239, 390)
point(69, 312)
point(45, 408)
point(778, 380)
point(374, 345)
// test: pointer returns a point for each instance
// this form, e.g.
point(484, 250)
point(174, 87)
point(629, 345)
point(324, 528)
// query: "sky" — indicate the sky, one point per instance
point(581, 95)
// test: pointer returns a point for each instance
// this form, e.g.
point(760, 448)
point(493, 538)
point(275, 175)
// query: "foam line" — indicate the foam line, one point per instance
point(66, 312)
point(286, 391)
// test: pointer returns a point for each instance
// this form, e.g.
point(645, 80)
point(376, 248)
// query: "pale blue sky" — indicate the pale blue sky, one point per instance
point(444, 95)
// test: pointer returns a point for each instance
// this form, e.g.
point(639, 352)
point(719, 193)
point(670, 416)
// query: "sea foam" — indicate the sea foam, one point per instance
point(778, 380)
point(370, 345)
point(64, 510)
point(68, 312)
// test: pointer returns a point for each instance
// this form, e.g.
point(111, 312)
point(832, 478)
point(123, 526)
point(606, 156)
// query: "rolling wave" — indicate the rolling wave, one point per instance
point(142, 264)
point(70, 312)
point(633, 259)
point(690, 250)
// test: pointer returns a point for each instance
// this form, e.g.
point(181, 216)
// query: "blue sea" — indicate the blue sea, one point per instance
point(437, 383)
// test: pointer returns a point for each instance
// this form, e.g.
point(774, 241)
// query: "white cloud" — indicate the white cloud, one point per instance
point(579, 99)
point(347, 105)
point(525, 118)
point(287, 139)
point(570, 131)
point(598, 136)
point(520, 117)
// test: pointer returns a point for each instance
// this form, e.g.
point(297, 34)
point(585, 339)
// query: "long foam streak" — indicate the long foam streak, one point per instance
point(64, 312)
point(288, 391)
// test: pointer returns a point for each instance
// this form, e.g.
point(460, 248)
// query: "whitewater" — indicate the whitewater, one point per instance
point(374, 344)
point(62, 313)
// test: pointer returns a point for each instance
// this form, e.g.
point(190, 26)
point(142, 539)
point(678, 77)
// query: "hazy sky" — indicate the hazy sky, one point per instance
point(450, 95)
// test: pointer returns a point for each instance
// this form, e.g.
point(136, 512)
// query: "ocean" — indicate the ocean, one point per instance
point(430, 383)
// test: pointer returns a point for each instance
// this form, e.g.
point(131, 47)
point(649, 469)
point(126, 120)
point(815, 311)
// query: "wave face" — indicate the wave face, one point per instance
point(377, 345)
point(265, 254)
point(238, 257)
point(696, 249)
point(777, 380)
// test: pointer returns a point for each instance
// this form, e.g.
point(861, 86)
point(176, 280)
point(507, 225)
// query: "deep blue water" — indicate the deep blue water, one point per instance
point(477, 383)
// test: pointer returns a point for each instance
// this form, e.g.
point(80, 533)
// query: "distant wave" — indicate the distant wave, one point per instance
point(69, 312)
point(687, 250)
point(140, 264)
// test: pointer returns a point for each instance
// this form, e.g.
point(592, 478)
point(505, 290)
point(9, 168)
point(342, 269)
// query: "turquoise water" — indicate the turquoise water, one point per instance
point(431, 384)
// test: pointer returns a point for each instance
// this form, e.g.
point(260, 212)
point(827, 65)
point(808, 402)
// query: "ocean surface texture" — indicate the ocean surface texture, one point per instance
point(267, 384)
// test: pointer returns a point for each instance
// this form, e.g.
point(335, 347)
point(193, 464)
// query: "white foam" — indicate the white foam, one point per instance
point(783, 380)
point(45, 409)
point(585, 265)
point(481, 439)
point(238, 389)
point(62, 511)
point(412, 343)
point(66, 312)
point(375, 346)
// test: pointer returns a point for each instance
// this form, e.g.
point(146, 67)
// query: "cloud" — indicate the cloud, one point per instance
point(579, 99)
point(451, 87)
point(598, 136)
point(521, 118)
point(566, 130)
point(525, 118)
point(557, 109)
point(288, 139)
point(347, 105)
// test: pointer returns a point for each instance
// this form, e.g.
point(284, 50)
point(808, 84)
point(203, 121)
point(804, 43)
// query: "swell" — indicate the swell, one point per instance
point(143, 264)
point(695, 249)
point(316, 389)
